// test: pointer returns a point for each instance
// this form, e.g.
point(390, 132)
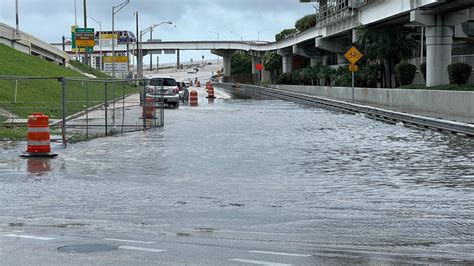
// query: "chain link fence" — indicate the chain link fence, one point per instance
point(78, 108)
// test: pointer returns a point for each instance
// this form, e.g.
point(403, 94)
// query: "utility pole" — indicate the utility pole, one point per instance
point(136, 41)
point(17, 18)
point(151, 55)
point(86, 56)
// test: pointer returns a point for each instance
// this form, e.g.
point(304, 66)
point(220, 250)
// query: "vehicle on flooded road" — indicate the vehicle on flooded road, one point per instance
point(163, 90)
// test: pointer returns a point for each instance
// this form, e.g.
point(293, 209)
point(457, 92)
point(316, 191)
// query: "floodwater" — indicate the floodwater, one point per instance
point(260, 170)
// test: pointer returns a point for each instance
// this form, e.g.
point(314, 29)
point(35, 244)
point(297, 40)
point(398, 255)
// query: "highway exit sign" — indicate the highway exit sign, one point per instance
point(353, 55)
point(84, 37)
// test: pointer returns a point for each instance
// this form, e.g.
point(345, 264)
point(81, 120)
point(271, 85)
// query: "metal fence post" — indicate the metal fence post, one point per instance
point(63, 123)
point(144, 105)
point(162, 111)
point(105, 109)
point(123, 105)
point(113, 103)
point(87, 112)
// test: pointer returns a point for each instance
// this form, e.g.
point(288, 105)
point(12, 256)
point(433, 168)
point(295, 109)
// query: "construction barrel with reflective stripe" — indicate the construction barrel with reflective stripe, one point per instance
point(193, 98)
point(210, 92)
point(38, 136)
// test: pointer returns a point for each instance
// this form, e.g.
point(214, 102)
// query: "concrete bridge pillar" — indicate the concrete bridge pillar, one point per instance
point(439, 41)
point(341, 60)
point(439, 45)
point(287, 63)
point(177, 59)
point(227, 65)
point(316, 60)
point(255, 60)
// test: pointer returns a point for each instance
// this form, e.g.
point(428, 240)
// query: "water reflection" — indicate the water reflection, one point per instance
point(38, 166)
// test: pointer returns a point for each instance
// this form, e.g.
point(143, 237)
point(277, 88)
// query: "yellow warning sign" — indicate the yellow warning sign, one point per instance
point(353, 68)
point(353, 55)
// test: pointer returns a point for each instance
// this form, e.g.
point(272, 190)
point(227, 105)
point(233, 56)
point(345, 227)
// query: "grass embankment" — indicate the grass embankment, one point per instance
point(44, 93)
point(89, 70)
point(450, 87)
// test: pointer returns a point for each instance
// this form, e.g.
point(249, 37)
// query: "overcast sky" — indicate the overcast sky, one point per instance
point(194, 19)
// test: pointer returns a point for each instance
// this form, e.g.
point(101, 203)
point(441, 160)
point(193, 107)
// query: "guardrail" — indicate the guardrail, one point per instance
point(393, 117)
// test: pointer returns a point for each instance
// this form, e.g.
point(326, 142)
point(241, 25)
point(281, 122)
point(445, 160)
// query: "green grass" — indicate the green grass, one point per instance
point(44, 93)
point(89, 70)
point(450, 87)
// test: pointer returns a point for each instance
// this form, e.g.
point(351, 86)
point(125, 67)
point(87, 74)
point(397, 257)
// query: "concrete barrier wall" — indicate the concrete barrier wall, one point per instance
point(457, 103)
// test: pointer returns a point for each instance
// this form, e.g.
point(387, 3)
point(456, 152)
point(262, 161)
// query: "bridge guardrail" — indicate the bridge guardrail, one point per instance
point(389, 116)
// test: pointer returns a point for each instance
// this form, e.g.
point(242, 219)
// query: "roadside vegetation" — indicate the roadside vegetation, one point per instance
point(90, 70)
point(385, 64)
point(42, 91)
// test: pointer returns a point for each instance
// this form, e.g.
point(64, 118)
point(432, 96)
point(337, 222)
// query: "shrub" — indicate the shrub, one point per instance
point(405, 73)
point(423, 70)
point(285, 79)
point(368, 76)
point(285, 33)
point(459, 73)
point(306, 22)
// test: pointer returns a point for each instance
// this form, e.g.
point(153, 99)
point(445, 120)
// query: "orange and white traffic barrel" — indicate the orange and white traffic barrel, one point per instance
point(38, 137)
point(198, 83)
point(210, 92)
point(193, 98)
point(149, 109)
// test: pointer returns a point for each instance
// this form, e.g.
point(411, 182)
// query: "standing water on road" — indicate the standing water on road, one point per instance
point(257, 172)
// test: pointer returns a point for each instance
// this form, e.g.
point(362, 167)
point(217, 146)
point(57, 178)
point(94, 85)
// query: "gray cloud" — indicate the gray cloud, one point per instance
point(51, 19)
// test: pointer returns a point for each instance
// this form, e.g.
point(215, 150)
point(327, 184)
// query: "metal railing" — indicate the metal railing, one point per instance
point(389, 116)
point(78, 108)
point(337, 10)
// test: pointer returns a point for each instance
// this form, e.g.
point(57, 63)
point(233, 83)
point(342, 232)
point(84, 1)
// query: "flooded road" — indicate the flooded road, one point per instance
point(243, 180)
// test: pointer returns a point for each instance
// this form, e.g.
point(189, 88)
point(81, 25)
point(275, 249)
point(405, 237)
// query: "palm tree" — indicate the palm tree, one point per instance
point(388, 46)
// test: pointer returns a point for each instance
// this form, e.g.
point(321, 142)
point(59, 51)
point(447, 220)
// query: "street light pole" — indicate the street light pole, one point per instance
point(140, 51)
point(151, 55)
point(17, 18)
point(241, 39)
point(100, 41)
point(86, 53)
point(258, 36)
point(114, 39)
point(136, 39)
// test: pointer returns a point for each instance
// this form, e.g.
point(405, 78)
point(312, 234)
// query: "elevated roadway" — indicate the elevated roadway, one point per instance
point(327, 42)
point(30, 44)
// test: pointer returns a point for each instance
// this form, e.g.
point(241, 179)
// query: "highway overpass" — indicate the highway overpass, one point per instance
point(327, 42)
point(29, 44)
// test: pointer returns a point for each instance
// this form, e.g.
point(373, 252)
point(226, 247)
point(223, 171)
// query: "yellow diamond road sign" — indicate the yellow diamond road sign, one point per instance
point(353, 55)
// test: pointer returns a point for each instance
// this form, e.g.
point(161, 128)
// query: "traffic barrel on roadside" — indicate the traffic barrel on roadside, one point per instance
point(210, 92)
point(149, 109)
point(198, 83)
point(193, 98)
point(38, 137)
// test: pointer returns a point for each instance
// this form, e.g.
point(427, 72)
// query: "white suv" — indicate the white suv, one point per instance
point(170, 90)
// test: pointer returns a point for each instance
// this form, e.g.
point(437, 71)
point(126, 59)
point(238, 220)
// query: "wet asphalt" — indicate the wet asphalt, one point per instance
point(243, 180)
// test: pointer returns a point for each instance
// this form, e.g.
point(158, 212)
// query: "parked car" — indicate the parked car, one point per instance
point(170, 90)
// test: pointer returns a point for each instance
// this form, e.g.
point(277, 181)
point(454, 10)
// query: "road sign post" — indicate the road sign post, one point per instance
point(353, 55)
point(84, 38)
point(259, 68)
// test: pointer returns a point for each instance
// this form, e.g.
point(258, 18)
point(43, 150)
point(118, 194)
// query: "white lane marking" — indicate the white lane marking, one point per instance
point(29, 237)
point(259, 262)
point(130, 241)
point(141, 249)
point(279, 253)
